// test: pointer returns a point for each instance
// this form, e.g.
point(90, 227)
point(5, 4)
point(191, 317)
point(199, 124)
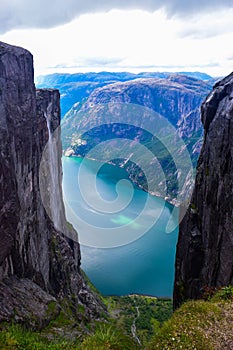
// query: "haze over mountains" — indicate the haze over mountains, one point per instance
point(75, 87)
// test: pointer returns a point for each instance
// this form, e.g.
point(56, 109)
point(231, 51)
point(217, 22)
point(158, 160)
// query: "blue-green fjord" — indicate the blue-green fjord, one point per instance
point(144, 265)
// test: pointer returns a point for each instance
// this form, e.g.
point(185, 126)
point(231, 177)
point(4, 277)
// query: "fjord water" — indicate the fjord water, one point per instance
point(144, 266)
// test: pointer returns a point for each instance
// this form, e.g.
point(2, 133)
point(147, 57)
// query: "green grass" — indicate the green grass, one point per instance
point(18, 337)
point(108, 337)
point(225, 293)
point(105, 337)
point(201, 325)
point(185, 329)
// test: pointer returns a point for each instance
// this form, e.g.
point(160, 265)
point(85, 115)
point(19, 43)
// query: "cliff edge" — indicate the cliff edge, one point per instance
point(39, 265)
point(204, 251)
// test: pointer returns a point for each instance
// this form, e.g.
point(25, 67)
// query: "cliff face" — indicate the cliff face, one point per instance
point(174, 97)
point(205, 245)
point(38, 264)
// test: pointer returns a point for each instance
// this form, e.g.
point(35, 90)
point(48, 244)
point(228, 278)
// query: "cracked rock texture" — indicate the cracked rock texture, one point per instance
point(205, 246)
point(38, 263)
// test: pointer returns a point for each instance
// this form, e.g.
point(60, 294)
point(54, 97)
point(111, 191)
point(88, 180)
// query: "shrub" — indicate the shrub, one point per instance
point(108, 337)
point(225, 293)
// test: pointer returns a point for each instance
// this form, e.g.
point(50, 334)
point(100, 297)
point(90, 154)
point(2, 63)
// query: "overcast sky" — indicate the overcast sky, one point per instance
point(150, 35)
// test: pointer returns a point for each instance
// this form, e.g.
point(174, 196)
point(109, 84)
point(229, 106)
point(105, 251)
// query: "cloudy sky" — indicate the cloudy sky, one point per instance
point(118, 35)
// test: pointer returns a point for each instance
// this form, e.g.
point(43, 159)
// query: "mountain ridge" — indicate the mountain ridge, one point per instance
point(77, 86)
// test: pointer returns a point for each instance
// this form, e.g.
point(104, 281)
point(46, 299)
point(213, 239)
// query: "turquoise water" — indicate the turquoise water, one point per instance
point(120, 254)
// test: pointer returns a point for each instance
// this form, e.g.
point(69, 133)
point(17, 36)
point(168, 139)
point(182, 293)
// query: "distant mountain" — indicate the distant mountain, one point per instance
point(177, 98)
point(197, 75)
point(75, 87)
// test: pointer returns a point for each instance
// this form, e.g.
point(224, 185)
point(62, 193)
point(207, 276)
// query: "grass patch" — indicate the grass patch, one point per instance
point(194, 326)
point(18, 337)
point(225, 293)
point(108, 337)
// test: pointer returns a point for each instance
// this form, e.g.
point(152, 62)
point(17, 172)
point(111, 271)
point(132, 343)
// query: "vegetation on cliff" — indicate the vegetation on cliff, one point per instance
point(202, 325)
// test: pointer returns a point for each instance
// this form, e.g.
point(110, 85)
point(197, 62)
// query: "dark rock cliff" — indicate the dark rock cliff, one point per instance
point(205, 245)
point(38, 263)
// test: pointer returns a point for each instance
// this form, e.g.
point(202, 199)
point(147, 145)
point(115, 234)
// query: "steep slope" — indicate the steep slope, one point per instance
point(199, 324)
point(205, 245)
point(176, 98)
point(38, 264)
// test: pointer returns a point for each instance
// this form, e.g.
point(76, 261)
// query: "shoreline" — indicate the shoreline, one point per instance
point(138, 295)
point(175, 204)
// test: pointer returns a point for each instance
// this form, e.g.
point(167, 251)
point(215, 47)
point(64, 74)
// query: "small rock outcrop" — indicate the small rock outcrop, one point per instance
point(204, 250)
point(38, 263)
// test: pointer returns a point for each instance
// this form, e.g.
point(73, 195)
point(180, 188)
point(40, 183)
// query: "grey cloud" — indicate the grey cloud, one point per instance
point(204, 28)
point(100, 61)
point(46, 14)
point(199, 33)
point(173, 66)
point(118, 63)
point(92, 62)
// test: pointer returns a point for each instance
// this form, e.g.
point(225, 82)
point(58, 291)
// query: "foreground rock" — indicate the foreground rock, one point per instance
point(38, 263)
point(204, 251)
